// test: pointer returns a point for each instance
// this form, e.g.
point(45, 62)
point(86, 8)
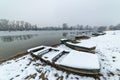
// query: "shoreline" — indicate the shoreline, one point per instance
point(20, 54)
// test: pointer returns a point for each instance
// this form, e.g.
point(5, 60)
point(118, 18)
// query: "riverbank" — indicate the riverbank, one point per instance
point(27, 67)
point(14, 57)
point(18, 41)
point(23, 53)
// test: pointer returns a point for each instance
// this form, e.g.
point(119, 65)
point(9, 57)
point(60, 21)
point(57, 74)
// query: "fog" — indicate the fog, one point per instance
point(56, 12)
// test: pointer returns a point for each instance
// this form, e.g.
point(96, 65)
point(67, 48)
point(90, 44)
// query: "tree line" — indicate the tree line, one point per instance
point(82, 27)
point(6, 25)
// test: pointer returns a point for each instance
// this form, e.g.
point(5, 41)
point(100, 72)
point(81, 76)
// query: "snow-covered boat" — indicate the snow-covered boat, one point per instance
point(78, 46)
point(81, 37)
point(99, 33)
point(71, 61)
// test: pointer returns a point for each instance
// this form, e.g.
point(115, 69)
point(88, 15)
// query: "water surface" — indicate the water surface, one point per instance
point(12, 43)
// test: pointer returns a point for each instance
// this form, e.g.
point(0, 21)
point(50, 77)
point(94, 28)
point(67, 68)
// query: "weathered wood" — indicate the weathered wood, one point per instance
point(35, 50)
point(80, 48)
point(89, 73)
point(81, 37)
point(58, 56)
point(44, 53)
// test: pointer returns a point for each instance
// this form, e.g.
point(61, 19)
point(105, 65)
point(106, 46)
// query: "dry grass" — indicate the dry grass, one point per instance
point(31, 76)
point(42, 76)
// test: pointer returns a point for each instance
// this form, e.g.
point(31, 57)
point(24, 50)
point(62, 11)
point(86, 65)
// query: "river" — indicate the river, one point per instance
point(12, 43)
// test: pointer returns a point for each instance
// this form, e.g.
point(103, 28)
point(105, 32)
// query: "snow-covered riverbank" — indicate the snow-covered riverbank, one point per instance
point(29, 68)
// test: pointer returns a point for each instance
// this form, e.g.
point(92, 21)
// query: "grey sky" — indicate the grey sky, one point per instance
point(55, 12)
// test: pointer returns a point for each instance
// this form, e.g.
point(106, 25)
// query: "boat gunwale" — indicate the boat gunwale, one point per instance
point(79, 48)
point(68, 69)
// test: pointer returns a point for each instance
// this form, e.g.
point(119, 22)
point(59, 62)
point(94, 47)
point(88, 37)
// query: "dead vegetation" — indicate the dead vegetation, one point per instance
point(42, 76)
point(31, 76)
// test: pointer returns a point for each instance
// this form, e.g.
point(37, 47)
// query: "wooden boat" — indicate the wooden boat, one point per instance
point(81, 37)
point(54, 57)
point(99, 34)
point(77, 47)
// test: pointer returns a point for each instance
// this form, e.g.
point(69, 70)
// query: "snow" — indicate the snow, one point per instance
point(63, 39)
point(29, 68)
point(61, 58)
point(50, 55)
point(81, 60)
point(10, 70)
point(72, 58)
point(46, 49)
point(107, 50)
point(62, 46)
point(38, 47)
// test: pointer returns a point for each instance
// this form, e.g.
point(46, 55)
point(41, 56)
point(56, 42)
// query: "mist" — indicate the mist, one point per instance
point(56, 12)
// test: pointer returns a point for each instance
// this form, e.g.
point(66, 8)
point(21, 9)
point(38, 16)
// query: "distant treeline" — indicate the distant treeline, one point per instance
point(6, 25)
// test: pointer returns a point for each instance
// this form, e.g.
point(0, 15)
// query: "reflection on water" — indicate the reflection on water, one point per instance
point(12, 43)
point(17, 38)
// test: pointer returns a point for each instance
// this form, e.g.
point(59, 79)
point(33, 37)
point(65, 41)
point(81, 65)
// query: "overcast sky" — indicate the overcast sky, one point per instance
point(56, 12)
